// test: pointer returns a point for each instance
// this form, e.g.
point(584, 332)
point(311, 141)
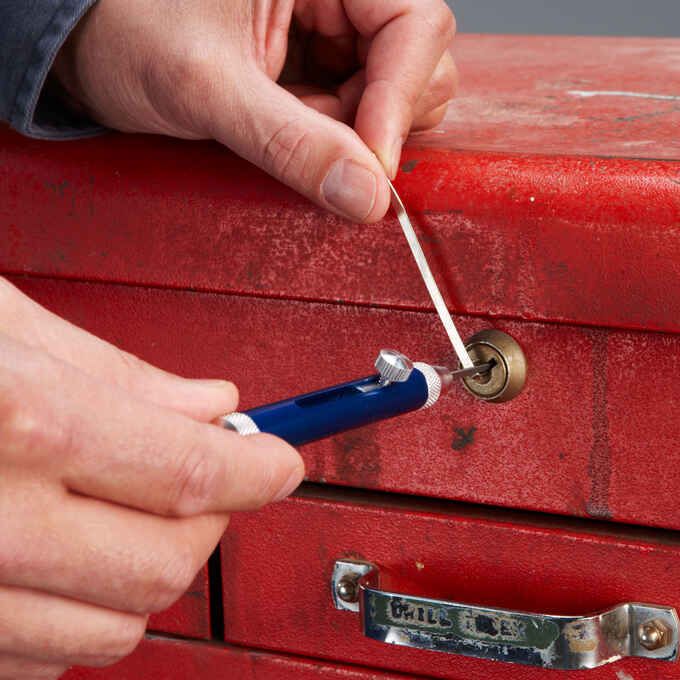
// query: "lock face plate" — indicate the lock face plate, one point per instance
point(507, 377)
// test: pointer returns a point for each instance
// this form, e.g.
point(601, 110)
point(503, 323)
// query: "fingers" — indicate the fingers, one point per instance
point(430, 119)
point(52, 630)
point(315, 155)
point(340, 104)
point(409, 38)
point(433, 103)
point(14, 667)
point(327, 17)
point(100, 553)
point(101, 442)
point(31, 324)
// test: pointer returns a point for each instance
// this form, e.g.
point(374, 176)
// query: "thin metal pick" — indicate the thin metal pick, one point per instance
point(428, 278)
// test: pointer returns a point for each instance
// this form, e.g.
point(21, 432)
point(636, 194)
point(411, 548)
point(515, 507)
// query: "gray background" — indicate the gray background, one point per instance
point(576, 17)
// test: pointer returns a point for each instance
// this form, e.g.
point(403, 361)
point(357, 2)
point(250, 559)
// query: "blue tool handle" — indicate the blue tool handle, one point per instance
point(336, 409)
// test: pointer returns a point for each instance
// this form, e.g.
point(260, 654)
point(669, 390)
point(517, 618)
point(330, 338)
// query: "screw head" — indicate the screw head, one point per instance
point(654, 634)
point(347, 590)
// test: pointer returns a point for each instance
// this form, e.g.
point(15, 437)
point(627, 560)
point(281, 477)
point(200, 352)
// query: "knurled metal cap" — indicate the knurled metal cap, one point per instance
point(239, 422)
point(393, 366)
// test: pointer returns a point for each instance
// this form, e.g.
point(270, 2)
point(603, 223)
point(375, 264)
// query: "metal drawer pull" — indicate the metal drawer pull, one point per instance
point(558, 642)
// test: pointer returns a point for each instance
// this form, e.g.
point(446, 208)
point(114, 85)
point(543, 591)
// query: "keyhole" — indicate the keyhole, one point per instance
point(485, 377)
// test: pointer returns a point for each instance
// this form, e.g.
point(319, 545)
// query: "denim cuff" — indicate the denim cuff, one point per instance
point(36, 111)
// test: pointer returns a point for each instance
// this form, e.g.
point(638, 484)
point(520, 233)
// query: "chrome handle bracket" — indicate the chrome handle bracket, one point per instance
point(544, 640)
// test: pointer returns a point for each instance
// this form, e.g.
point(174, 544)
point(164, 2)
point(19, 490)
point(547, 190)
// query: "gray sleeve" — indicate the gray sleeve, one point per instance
point(31, 33)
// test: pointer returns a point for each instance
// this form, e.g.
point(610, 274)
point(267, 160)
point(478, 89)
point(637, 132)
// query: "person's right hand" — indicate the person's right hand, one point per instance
point(324, 107)
point(114, 490)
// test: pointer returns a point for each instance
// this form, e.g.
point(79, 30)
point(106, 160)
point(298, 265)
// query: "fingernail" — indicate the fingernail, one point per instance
point(395, 157)
point(350, 189)
point(291, 484)
point(223, 386)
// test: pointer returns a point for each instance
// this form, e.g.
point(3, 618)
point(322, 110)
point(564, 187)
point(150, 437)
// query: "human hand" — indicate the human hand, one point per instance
point(114, 490)
point(208, 69)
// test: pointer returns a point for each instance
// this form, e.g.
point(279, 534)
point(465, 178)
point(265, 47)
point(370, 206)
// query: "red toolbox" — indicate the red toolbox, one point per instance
point(549, 206)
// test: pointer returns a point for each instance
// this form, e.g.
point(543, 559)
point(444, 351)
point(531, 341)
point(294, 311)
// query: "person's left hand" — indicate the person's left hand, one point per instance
point(209, 69)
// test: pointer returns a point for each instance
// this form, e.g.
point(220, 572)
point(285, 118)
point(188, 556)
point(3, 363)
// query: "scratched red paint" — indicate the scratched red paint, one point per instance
point(548, 94)
point(176, 660)
point(278, 564)
point(588, 437)
point(555, 211)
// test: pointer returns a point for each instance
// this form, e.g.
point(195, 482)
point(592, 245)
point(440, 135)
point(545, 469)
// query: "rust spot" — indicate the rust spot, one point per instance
point(59, 188)
point(580, 638)
point(580, 646)
point(409, 166)
point(463, 437)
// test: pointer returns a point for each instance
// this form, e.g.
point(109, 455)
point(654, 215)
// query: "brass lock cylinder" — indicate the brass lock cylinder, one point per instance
point(506, 378)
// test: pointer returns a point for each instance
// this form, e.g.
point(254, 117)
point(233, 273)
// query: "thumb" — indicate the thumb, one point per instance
point(319, 157)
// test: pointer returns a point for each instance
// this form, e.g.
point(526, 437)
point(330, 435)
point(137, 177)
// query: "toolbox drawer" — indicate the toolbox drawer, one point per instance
point(590, 435)
point(277, 567)
point(158, 659)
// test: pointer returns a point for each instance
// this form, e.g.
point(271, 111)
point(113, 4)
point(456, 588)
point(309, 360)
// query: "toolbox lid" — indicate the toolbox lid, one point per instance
point(551, 192)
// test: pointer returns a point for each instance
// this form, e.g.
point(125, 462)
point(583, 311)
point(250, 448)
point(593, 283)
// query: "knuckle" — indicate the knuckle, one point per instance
point(288, 150)
point(440, 18)
point(446, 22)
point(124, 634)
point(170, 581)
point(27, 432)
point(193, 66)
point(197, 480)
point(27, 425)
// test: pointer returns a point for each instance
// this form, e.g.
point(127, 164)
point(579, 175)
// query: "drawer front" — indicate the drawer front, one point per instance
point(278, 564)
point(157, 659)
point(590, 435)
